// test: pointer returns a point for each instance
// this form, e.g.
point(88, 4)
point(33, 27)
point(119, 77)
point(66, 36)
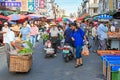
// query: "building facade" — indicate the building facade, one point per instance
point(90, 7)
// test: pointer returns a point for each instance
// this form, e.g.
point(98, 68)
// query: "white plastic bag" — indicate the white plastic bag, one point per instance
point(85, 50)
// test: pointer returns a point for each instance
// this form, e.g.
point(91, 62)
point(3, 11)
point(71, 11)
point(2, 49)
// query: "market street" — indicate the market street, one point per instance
point(55, 69)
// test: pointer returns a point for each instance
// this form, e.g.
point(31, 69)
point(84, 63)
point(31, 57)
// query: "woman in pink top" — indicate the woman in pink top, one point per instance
point(33, 33)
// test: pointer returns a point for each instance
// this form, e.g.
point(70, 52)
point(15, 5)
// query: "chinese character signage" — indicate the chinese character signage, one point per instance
point(41, 3)
point(36, 5)
point(31, 5)
point(10, 3)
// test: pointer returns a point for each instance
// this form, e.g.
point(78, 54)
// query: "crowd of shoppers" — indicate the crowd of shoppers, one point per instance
point(75, 34)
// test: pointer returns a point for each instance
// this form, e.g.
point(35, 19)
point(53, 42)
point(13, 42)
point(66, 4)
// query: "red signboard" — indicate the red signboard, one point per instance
point(41, 3)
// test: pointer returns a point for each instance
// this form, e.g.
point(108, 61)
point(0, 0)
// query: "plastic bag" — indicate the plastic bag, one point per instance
point(85, 50)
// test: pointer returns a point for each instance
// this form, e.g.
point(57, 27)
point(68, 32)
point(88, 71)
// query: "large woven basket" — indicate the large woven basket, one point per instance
point(20, 63)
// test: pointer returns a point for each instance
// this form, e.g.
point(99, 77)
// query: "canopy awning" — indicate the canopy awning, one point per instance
point(82, 17)
point(3, 17)
point(116, 15)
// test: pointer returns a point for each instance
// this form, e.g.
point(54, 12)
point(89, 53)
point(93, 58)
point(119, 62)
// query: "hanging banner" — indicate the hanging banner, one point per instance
point(41, 3)
point(24, 6)
point(111, 5)
point(36, 5)
point(31, 5)
point(10, 3)
point(118, 5)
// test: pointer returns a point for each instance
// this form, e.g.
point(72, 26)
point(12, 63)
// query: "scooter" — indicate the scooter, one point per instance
point(67, 53)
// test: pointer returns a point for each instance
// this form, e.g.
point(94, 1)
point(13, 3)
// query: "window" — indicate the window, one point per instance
point(95, 1)
point(95, 10)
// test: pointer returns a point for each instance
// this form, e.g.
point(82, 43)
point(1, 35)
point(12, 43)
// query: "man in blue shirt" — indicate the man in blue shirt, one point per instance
point(83, 25)
point(67, 35)
point(102, 35)
point(25, 31)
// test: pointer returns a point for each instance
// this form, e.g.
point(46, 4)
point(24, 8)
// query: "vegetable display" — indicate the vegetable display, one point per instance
point(60, 37)
point(29, 44)
point(25, 51)
point(45, 36)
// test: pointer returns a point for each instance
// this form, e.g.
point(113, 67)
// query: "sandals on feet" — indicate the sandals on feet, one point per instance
point(77, 65)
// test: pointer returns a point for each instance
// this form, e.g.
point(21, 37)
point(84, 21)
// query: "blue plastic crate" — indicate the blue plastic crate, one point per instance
point(115, 65)
point(108, 56)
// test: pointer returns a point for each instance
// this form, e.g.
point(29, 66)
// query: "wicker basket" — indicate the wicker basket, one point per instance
point(20, 63)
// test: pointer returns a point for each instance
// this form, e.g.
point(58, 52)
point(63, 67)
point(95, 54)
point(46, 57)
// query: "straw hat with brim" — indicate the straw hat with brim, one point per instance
point(53, 24)
point(15, 28)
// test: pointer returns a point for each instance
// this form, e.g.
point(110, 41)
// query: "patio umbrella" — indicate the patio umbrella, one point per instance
point(32, 16)
point(104, 16)
point(3, 17)
point(6, 13)
point(67, 20)
point(59, 19)
point(1, 22)
point(12, 22)
point(14, 17)
point(116, 15)
point(22, 16)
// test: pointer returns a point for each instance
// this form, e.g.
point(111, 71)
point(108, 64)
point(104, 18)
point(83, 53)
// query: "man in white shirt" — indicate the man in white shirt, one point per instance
point(10, 43)
point(54, 35)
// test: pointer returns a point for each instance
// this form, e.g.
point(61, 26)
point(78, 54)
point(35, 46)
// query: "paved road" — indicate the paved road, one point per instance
point(55, 69)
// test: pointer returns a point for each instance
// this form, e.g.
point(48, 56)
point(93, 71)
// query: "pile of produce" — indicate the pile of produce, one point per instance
point(60, 37)
point(45, 36)
point(26, 51)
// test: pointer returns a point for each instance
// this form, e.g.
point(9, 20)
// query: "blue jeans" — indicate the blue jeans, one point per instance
point(78, 51)
point(33, 40)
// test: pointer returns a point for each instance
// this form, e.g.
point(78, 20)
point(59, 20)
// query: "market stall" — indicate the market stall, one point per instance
point(111, 57)
point(114, 33)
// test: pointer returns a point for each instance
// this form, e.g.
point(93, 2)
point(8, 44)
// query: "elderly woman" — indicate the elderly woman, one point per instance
point(54, 34)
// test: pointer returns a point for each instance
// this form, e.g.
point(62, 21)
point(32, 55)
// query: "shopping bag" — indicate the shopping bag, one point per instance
point(85, 50)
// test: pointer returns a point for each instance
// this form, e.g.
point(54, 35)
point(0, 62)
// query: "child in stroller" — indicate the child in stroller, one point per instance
point(49, 50)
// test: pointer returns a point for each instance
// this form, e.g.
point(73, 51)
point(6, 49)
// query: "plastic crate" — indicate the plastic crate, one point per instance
point(105, 63)
point(113, 71)
point(105, 56)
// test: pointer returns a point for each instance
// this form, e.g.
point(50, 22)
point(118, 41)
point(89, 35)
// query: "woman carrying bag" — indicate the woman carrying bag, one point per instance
point(78, 37)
